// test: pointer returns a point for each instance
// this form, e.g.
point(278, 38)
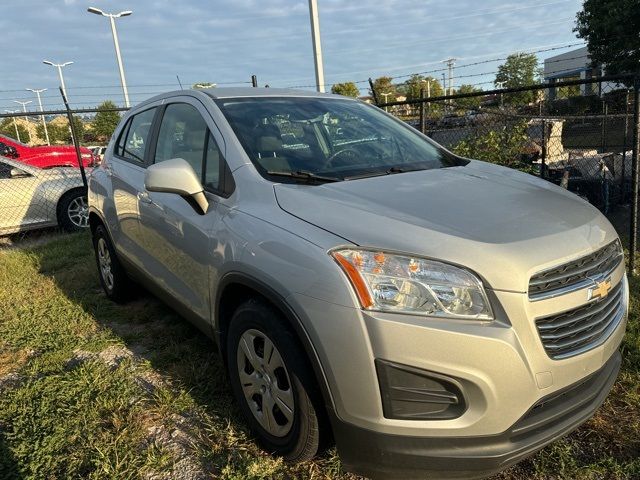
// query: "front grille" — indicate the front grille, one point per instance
point(576, 274)
point(576, 331)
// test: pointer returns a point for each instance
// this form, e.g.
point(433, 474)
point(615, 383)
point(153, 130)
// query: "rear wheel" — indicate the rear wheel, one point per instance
point(113, 278)
point(272, 382)
point(73, 211)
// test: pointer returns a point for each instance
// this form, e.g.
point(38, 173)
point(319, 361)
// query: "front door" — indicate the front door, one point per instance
point(177, 235)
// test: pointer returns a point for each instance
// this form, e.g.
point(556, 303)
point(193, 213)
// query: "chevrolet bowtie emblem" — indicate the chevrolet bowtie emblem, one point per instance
point(601, 289)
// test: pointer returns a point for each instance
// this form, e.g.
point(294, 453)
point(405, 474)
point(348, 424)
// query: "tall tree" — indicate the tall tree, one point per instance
point(468, 103)
point(385, 89)
point(610, 28)
point(8, 129)
point(348, 89)
point(411, 88)
point(106, 120)
point(519, 70)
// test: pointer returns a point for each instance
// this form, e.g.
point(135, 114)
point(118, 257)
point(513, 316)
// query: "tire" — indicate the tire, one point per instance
point(113, 278)
point(295, 435)
point(73, 211)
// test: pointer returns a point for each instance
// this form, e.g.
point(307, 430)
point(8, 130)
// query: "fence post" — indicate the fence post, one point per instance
point(76, 142)
point(543, 159)
point(423, 119)
point(635, 162)
point(373, 92)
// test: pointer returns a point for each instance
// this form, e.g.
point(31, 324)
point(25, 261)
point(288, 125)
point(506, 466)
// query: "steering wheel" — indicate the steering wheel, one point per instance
point(346, 155)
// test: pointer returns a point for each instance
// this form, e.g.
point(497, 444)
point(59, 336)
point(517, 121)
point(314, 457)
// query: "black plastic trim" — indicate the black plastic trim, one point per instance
point(290, 315)
point(383, 456)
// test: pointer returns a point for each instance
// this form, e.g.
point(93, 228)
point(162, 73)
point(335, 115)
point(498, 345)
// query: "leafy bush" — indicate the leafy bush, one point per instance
point(505, 145)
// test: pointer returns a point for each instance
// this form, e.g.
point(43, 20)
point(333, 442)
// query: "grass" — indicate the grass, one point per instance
point(90, 389)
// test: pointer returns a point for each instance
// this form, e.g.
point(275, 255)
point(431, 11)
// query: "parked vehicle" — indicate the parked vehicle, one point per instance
point(439, 316)
point(45, 156)
point(98, 152)
point(32, 197)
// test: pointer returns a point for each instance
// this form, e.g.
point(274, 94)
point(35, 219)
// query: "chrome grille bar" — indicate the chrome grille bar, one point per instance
point(581, 329)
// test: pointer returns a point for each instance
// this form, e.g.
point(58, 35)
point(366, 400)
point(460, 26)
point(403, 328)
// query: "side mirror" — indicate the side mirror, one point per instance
point(176, 176)
point(17, 173)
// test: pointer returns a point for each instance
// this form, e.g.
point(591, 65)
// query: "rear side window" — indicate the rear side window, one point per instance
point(135, 136)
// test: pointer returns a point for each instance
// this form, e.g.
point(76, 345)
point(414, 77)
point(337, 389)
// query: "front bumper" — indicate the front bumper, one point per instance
point(379, 455)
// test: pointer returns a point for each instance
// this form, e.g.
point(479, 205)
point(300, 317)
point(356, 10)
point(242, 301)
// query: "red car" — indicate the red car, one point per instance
point(46, 156)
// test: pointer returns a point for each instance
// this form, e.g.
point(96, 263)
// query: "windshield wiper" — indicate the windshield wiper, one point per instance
point(379, 173)
point(304, 175)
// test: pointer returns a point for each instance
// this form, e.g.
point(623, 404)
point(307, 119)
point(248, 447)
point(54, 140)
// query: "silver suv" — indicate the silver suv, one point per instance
point(435, 315)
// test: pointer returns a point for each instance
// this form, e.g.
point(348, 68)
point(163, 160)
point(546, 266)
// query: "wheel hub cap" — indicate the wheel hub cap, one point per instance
point(265, 383)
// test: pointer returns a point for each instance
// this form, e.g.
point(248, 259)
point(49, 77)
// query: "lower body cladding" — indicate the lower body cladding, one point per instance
point(417, 397)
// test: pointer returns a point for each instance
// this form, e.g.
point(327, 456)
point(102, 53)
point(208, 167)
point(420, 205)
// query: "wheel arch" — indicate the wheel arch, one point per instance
point(234, 289)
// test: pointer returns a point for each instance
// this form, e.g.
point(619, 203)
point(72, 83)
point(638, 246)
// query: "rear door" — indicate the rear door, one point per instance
point(177, 236)
point(127, 168)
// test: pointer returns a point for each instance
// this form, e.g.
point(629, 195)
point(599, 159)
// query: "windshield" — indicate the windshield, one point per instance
point(327, 139)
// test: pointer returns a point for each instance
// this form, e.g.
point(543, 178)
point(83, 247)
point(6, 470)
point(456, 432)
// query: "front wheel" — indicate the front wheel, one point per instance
point(272, 382)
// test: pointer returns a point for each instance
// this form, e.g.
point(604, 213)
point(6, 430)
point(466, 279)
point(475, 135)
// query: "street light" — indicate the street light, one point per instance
point(59, 66)
point(24, 109)
point(44, 123)
point(112, 17)
point(15, 125)
point(386, 95)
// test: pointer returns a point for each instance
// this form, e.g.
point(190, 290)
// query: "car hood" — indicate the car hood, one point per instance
point(503, 224)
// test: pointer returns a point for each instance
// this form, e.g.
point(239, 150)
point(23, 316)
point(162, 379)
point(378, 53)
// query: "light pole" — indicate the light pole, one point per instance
point(59, 66)
point(15, 125)
point(112, 17)
point(317, 47)
point(44, 123)
point(24, 109)
point(386, 95)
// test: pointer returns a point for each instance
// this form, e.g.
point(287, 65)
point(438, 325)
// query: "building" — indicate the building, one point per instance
point(576, 65)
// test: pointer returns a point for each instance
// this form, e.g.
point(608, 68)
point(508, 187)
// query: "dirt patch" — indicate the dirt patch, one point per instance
point(111, 356)
point(15, 360)
point(176, 437)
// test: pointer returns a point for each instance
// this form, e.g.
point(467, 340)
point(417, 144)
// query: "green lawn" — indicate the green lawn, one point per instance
point(89, 389)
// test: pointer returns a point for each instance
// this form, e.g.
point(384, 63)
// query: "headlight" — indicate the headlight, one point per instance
point(398, 283)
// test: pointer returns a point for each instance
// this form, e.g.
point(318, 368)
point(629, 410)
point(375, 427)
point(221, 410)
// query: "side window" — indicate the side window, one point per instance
point(135, 136)
point(183, 133)
point(213, 165)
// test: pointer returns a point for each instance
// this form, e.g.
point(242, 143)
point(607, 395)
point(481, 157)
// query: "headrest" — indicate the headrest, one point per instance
point(269, 144)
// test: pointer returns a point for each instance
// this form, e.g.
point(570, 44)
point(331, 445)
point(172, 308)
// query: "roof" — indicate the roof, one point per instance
point(261, 92)
point(236, 93)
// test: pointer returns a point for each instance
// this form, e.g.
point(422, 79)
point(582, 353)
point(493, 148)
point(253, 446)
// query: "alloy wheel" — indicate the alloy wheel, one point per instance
point(78, 212)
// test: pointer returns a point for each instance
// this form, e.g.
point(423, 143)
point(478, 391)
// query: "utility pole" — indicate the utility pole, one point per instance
point(15, 125)
point(44, 123)
point(450, 63)
point(112, 18)
point(24, 109)
point(317, 47)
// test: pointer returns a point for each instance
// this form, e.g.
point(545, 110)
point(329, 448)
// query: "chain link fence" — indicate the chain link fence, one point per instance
point(43, 184)
point(580, 134)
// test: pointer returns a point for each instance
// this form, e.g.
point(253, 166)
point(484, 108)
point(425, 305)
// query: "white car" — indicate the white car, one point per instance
point(32, 197)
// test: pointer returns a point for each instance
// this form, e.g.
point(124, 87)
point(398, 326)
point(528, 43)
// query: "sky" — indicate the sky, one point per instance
point(226, 41)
